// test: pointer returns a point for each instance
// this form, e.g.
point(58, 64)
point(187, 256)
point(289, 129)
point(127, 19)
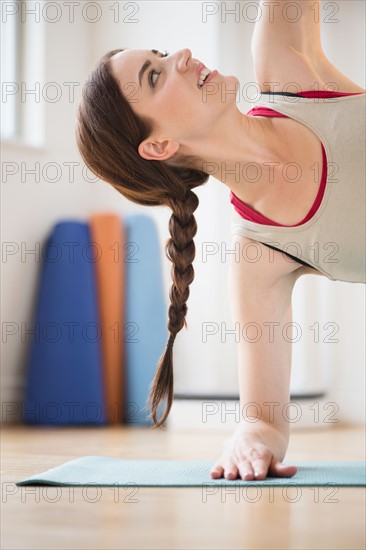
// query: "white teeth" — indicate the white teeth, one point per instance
point(203, 74)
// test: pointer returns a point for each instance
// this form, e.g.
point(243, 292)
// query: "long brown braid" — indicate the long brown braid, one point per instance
point(180, 250)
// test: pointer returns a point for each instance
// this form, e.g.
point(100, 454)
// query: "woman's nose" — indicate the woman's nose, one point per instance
point(184, 56)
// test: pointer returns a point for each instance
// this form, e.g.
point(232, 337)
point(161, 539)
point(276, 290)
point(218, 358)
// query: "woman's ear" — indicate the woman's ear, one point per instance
point(158, 151)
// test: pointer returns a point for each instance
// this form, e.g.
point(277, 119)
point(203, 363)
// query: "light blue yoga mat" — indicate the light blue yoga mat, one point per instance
point(146, 315)
point(108, 471)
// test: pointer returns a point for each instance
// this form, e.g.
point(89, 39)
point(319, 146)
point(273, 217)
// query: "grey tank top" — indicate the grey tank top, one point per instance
point(333, 241)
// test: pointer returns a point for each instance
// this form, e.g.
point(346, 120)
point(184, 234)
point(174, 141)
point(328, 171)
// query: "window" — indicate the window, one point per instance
point(22, 69)
point(10, 61)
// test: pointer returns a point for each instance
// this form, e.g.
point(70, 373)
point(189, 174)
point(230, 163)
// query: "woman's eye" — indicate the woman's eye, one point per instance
point(151, 81)
point(155, 72)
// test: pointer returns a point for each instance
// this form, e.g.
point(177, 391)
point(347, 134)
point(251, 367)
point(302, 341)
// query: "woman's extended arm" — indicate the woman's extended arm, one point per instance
point(261, 303)
point(285, 24)
point(260, 300)
point(286, 47)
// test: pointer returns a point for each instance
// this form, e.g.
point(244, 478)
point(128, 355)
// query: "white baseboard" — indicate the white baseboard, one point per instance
point(203, 415)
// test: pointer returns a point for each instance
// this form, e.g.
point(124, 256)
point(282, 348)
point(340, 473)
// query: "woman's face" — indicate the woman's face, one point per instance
point(169, 94)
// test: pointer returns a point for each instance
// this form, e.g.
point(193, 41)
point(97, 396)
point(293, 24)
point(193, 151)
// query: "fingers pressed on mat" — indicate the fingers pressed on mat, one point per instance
point(217, 471)
point(231, 471)
point(246, 470)
point(260, 468)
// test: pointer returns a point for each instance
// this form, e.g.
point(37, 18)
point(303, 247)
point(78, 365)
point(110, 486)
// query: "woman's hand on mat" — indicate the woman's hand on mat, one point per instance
point(248, 455)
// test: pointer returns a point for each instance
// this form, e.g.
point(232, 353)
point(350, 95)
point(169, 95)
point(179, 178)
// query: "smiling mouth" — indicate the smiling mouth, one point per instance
point(207, 78)
point(204, 74)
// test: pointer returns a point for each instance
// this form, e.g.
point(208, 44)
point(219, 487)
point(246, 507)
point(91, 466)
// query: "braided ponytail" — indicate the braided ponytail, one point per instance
point(180, 250)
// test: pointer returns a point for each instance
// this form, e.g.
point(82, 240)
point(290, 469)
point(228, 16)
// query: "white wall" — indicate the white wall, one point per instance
point(30, 208)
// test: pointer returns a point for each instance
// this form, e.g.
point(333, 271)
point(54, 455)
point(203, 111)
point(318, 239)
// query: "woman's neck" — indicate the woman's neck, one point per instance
point(244, 153)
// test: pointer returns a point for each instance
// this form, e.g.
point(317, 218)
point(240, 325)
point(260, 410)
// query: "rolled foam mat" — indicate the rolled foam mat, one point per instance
point(108, 471)
point(146, 312)
point(64, 372)
point(107, 232)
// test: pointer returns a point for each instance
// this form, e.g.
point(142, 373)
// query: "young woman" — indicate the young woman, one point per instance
point(148, 126)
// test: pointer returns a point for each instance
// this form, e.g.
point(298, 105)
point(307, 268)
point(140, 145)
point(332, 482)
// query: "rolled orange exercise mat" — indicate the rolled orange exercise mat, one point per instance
point(108, 235)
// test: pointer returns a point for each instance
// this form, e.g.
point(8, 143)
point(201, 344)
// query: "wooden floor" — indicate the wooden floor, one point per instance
point(173, 518)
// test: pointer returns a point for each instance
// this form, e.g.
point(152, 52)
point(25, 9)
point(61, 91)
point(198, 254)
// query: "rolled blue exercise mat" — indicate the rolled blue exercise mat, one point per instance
point(64, 370)
point(146, 315)
point(108, 471)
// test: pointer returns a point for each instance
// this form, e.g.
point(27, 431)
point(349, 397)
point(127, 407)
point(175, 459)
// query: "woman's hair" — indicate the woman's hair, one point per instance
point(108, 134)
